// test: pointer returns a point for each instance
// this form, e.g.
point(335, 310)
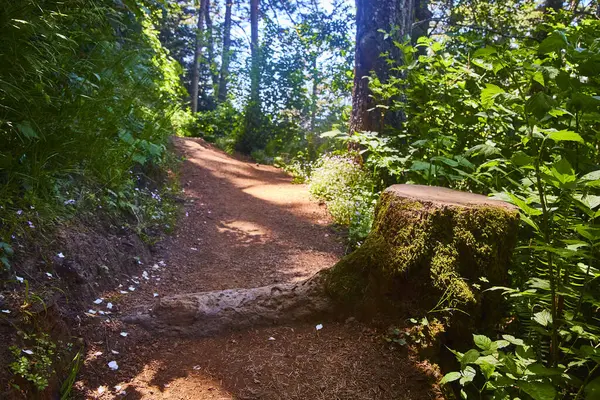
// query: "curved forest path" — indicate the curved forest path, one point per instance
point(244, 225)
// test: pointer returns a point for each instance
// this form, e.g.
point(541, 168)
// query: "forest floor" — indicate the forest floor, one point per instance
point(244, 225)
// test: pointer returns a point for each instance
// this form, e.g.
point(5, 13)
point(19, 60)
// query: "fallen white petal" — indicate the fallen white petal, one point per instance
point(98, 353)
point(124, 334)
point(193, 248)
point(271, 338)
point(90, 311)
point(319, 327)
point(113, 365)
point(124, 292)
point(196, 367)
point(101, 389)
point(131, 288)
point(19, 279)
point(97, 301)
point(49, 275)
point(28, 352)
point(6, 311)
point(114, 352)
point(155, 294)
point(61, 255)
point(101, 312)
point(118, 388)
point(109, 306)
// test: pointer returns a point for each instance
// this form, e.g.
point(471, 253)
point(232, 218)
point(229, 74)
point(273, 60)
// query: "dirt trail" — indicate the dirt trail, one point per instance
point(244, 225)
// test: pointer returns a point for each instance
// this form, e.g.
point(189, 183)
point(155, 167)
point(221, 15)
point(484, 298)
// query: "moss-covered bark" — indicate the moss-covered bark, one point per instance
point(449, 245)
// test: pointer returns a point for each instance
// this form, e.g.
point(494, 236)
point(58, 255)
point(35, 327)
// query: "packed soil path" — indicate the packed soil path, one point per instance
point(243, 225)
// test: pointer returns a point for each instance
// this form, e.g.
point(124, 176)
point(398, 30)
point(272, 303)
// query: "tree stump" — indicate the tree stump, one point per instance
point(427, 243)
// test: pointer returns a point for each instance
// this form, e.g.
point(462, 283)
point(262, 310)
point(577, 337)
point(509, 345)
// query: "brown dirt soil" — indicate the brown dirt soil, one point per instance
point(243, 225)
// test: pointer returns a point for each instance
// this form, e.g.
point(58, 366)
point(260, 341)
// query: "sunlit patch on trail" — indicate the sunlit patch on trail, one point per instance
point(245, 231)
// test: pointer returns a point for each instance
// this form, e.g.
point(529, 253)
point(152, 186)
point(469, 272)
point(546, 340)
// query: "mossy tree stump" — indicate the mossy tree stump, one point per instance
point(429, 243)
point(426, 243)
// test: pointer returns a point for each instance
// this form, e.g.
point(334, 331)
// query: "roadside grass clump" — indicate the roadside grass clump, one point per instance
point(348, 191)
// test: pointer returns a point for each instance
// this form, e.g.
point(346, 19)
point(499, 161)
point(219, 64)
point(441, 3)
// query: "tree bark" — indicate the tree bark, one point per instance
point(210, 47)
point(226, 56)
point(372, 16)
point(555, 5)
point(194, 86)
point(314, 94)
point(254, 49)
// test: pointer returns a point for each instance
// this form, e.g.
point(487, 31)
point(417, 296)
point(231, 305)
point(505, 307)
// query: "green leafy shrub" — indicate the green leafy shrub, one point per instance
point(347, 190)
point(34, 364)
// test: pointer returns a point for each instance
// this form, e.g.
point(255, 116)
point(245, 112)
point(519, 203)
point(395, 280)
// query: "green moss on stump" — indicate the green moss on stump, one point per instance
point(449, 245)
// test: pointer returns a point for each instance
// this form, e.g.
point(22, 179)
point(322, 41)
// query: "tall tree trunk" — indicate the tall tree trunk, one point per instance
point(197, 56)
point(555, 5)
point(210, 47)
point(255, 72)
point(224, 75)
point(314, 94)
point(372, 17)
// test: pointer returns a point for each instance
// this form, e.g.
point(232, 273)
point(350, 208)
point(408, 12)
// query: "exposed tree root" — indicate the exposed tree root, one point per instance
point(443, 239)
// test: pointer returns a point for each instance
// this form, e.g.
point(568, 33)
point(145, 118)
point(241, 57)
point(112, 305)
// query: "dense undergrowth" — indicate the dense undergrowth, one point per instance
point(88, 100)
point(86, 113)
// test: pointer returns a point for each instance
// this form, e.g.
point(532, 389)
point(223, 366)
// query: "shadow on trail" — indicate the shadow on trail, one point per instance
point(246, 226)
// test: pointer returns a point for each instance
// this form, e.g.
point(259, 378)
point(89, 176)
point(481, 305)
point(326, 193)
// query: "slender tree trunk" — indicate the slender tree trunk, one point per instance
point(197, 55)
point(314, 95)
point(372, 17)
point(210, 47)
point(255, 73)
point(555, 5)
point(224, 75)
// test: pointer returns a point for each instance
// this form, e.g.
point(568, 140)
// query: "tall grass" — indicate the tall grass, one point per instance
point(87, 94)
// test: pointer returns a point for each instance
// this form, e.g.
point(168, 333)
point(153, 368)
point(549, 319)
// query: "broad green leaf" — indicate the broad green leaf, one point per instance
point(556, 41)
point(450, 377)
point(482, 341)
point(592, 390)
point(468, 374)
point(538, 390)
point(540, 370)
point(564, 135)
point(525, 208)
point(591, 233)
point(513, 340)
point(591, 176)
point(563, 171)
point(487, 369)
point(469, 357)
point(27, 130)
point(538, 76)
point(590, 201)
point(332, 134)
point(521, 159)
point(543, 318)
point(488, 66)
point(539, 105)
point(445, 160)
point(485, 52)
point(420, 166)
point(489, 94)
